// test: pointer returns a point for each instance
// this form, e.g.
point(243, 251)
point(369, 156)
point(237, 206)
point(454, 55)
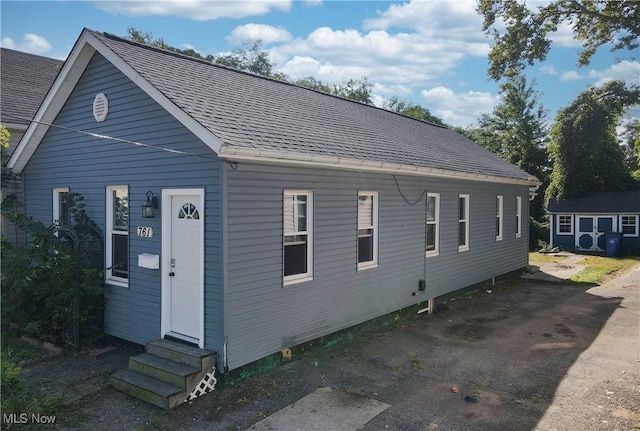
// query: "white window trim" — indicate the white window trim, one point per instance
point(436, 250)
point(558, 224)
point(637, 225)
point(307, 276)
point(373, 263)
point(500, 216)
point(464, 247)
point(110, 278)
point(518, 216)
point(56, 202)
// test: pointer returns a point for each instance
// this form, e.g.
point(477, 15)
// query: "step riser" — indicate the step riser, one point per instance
point(139, 393)
point(192, 361)
point(163, 375)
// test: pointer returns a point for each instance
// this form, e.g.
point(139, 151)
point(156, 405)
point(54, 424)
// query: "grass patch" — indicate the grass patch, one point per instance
point(535, 257)
point(600, 267)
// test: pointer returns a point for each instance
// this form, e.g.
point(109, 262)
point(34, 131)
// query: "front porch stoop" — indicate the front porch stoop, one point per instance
point(168, 374)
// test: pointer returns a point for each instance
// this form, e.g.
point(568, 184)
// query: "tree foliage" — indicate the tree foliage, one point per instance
point(409, 109)
point(587, 156)
point(631, 146)
point(595, 23)
point(146, 38)
point(4, 147)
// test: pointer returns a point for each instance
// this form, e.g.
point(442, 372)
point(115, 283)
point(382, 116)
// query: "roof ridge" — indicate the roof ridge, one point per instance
point(255, 75)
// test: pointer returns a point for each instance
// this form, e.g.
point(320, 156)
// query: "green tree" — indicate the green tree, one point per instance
point(587, 156)
point(147, 38)
point(252, 59)
point(631, 144)
point(595, 23)
point(314, 84)
point(516, 129)
point(4, 147)
point(414, 110)
point(355, 89)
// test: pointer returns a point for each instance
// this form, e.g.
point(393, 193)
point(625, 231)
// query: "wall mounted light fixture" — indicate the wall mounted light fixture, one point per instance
point(149, 207)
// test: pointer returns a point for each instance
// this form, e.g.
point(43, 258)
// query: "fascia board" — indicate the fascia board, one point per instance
point(233, 153)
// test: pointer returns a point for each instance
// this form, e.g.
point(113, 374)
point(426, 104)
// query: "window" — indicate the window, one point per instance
point(61, 205)
point(463, 222)
point(117, 247)
point(367, 230)
point(298, 236)
point(499, 209)
point(565, 225)
point(518, 216)
point(629, 225)
point(433, 220)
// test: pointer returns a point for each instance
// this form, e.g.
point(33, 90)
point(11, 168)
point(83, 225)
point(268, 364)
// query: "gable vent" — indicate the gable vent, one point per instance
point(100, 107)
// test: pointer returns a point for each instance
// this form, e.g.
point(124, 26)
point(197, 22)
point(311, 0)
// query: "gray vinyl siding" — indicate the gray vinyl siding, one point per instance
point(262, 316)
point(88, 165)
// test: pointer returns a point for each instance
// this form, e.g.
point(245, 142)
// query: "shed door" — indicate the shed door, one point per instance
point(591, 230)
point(183, 248)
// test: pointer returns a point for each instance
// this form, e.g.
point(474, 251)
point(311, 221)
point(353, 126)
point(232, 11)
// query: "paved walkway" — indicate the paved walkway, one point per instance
point(552, 271)
point(601, 390)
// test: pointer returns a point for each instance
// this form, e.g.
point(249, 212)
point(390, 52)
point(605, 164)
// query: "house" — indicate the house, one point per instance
point(581, 223)
point(282, 214)
point(26, 79)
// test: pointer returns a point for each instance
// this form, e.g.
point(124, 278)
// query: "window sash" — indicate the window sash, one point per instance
point(499, 213)
point(432, 221)
point(60, 208)
point(565, 225)
point(518, 216)
point(629, 225)
point(463, 222)
point(367, 244)
point(297, 236)
point(117, 243)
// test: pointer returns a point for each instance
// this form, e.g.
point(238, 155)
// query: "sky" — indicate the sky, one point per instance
point(432, 53)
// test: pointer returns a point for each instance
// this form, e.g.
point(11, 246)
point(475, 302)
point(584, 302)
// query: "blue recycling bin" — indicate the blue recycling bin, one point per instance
point(613, 240)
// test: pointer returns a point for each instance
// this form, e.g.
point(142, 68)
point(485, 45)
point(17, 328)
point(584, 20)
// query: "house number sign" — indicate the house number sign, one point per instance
point(145, 232)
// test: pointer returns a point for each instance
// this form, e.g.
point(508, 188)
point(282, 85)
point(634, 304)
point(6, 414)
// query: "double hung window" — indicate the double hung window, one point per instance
point(433, 221)
point(518, 216)
point(463, 222)
point(499, 217)
point(117, 241)
point(629, 225)
point(298, 236)
point(367, 230)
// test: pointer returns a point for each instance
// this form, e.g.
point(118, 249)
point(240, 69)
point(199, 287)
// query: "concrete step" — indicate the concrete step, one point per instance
point(168, 371)
point(182, 353)
point(148, 389)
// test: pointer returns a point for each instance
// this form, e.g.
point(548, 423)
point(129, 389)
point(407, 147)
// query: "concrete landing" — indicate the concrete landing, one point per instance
point(551, 271)
point(324, 409)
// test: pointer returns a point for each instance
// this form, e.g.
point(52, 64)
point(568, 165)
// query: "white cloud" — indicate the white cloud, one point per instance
point(268, 34)
point(458, 109)
point(199, 10)
point(571, 75)
point(400, 58)
point(31, 43)
point(548, 70)
point(564, 37)
point(437, 19)
point(624, 70)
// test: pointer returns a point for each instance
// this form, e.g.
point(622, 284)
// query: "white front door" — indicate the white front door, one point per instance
point(183, 278)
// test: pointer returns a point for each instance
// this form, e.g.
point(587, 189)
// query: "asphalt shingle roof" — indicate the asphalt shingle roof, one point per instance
point(250, 111)
point(25, 81)
point(603, 202)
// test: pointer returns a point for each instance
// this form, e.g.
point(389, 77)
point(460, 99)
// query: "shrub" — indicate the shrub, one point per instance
point(55, 279)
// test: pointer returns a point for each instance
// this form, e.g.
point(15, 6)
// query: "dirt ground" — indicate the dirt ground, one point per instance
point(492, 360)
